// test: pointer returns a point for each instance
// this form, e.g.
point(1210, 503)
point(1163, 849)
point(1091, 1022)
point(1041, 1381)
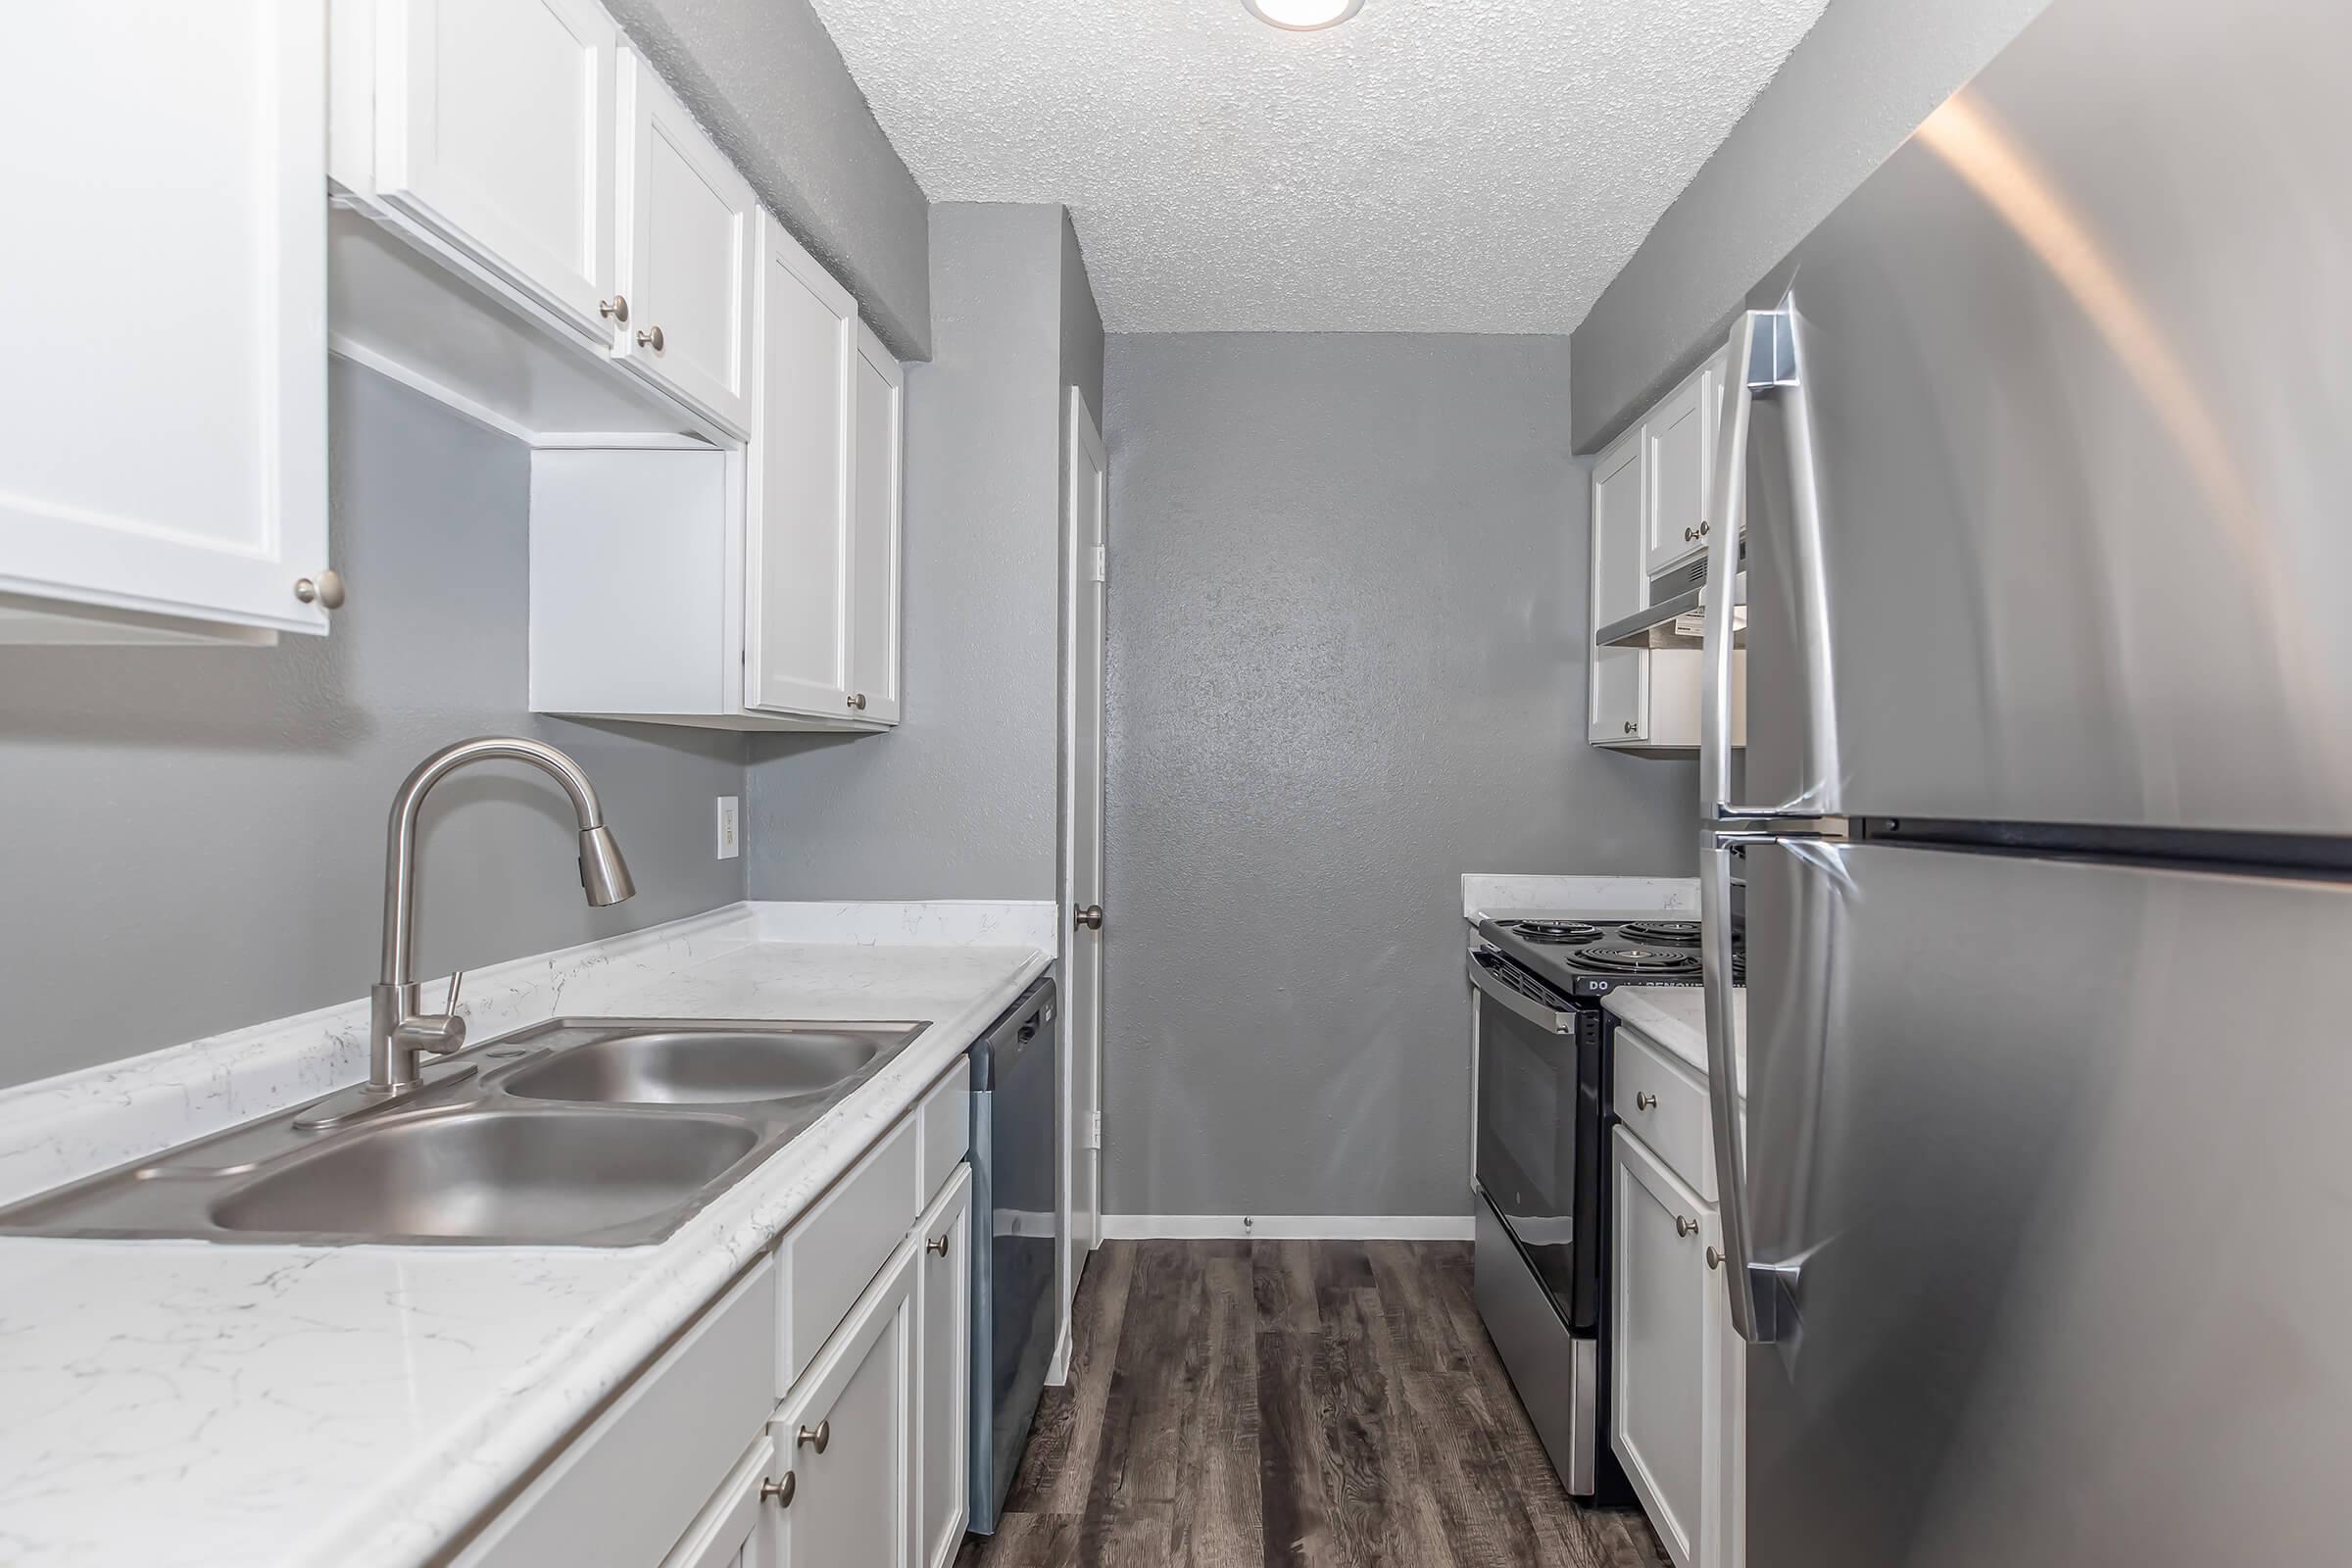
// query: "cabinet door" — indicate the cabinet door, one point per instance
point(692, 224)
point(495, 129)
point(162, 168)
point(720, 1536)
point(877, 433)
point(796, 551)
point(944, 1378)
point(1664, 1317)
point(1619, 696)
point(846, 1437)
point(1679, 450)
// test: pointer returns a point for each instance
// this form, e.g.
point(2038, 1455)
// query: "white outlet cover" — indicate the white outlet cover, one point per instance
point(730, 827)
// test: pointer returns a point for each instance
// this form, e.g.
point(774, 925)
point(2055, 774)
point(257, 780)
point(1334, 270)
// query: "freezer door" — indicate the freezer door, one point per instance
point(2061, 496)
point(2057, 1152)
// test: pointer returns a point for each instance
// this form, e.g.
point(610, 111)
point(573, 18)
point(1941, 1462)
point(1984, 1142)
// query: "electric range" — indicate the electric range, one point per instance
point(1593, 958)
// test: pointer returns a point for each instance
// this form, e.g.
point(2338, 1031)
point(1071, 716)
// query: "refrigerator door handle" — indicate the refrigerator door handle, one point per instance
point(1764, 360)
point(1752, 1295)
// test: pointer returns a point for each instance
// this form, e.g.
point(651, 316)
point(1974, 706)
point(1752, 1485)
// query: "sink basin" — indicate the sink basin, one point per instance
point(700, 1066)
point(491, 1175)
point(581, 1132)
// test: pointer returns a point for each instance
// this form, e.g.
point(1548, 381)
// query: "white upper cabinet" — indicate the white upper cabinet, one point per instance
point(737, 590)
point(1678, 442)
point(161, 169)
point(877, 443)
point(494, 126)
point(686, 271)
point(798, 545)
point(1619, 696)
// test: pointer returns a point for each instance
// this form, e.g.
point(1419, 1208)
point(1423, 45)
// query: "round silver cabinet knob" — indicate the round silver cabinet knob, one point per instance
point(617, 308)
point(650, 337)
point(937, 1244)
point(1714, 1258)
point(1685, 1225)
point(1690, 535)
point(858, 701)
point(816, 1436)
point(1631, 726)
point(780, 1492)
point(1646, 1101)
point(326, 592)
point(1090, 917)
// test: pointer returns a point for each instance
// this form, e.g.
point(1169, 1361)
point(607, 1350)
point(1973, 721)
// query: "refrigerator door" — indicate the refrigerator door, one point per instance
point(2056, 512)
point(2055, 1155)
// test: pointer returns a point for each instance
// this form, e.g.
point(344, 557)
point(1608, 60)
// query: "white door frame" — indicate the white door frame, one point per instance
point(1083, 574)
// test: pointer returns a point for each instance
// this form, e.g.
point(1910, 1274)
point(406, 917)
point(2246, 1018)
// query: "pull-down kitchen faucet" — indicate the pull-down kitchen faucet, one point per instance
point(398, 1034)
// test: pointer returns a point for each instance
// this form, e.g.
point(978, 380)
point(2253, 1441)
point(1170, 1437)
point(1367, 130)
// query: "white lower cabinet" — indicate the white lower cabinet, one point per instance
point(848, 1439)
point(1676, 1382)
point(861, 1463)
point(943, 1348)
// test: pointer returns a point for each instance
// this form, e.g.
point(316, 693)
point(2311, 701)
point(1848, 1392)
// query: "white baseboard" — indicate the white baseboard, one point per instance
point(1286, 1227)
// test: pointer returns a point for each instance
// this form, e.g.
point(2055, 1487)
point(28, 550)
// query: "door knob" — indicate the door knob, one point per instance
point(816, 1436)
point(327, 593)
point(780, 1492)
point(617, 308)
point(1090, 917)
point(650, 337)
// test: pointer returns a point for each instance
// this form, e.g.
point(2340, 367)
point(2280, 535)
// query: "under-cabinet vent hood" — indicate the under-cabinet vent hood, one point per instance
point(1676, 611)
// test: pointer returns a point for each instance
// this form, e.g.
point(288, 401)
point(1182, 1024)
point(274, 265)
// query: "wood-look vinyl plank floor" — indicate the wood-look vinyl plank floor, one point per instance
point(1291, 1404)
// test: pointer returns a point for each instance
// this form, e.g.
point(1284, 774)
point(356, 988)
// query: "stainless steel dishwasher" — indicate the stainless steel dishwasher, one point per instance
point(1016, 1092)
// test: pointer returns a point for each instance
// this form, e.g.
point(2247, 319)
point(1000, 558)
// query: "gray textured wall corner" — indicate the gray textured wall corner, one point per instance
point(1348, 646)
point(1861, 82)
point(194, 837)
point(768, 84)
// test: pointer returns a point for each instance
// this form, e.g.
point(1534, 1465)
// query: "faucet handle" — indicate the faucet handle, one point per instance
point(456, 978)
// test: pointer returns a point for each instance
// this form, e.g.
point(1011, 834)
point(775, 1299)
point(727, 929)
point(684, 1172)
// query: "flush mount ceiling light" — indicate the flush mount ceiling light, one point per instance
point(1302, 15)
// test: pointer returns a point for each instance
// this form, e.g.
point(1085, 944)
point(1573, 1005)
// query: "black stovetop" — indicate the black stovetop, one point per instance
point(1592, 958)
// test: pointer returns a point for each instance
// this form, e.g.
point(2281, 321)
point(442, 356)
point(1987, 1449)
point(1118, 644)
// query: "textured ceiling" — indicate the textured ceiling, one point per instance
point(1480, 165)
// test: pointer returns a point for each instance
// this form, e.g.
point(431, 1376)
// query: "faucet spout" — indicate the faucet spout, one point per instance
point(393, 1041)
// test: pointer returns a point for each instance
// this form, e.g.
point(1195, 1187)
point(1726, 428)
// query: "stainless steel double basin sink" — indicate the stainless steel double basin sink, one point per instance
point(595, 1132)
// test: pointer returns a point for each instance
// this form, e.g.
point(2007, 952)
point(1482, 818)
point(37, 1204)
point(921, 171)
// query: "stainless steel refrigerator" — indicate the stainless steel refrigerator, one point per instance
point(2039, 1221)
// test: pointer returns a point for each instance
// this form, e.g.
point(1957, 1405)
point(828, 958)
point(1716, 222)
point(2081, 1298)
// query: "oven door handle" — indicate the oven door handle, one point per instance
point(1546, 1018)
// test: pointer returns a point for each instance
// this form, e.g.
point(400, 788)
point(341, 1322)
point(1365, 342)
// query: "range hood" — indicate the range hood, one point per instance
point(1675, 620)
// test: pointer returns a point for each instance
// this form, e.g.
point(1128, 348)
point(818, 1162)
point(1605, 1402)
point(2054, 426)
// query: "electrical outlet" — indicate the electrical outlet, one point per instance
point(730, 828)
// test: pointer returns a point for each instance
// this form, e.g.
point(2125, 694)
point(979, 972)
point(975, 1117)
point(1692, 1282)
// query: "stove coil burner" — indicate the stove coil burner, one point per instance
point(1639, 961)
point(1557, 931)
point(1662, 933)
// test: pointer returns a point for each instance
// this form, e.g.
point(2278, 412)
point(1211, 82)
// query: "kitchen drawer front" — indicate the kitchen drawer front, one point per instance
point(1664, 1104)
point(838, 1247)
point(625, 1489)
point(947, 1127)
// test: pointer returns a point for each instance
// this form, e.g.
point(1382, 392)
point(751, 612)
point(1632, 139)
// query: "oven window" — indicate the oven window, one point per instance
point(1528, 1117)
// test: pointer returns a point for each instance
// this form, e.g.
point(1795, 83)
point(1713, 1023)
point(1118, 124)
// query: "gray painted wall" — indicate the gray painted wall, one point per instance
point(1861, 82)
point(1348, 634)
point(959, 801)
point(768, 84)
point(193, 838)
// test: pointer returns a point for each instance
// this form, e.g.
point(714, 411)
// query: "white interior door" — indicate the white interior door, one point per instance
point(1084, 571)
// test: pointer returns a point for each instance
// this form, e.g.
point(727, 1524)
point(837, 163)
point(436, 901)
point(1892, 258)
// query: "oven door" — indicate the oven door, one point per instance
point(1540, 1143)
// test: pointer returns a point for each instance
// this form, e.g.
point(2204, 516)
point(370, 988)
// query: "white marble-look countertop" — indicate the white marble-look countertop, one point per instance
point(187, 1402)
